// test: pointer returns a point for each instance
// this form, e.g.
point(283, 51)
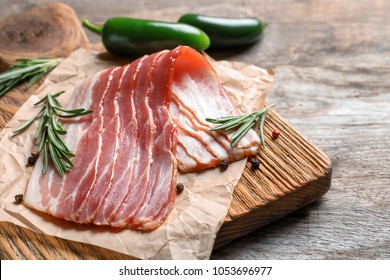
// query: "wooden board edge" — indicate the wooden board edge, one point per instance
point(24, 244)
point(274, 210)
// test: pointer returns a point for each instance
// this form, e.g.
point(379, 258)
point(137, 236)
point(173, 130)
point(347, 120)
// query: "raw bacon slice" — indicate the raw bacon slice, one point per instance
point(197, 95)
point(148, 121)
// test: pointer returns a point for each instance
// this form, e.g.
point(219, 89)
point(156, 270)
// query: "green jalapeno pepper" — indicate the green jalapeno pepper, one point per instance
point(133, 37)
point(226, 32)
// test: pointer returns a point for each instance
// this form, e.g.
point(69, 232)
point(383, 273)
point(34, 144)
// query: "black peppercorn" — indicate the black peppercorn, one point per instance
point(31, 160)
point(255, 163)
point(179, 188)
point(224, 164)
point(18, 198)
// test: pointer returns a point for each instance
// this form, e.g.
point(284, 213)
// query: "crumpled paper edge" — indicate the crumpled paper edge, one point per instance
point(191, 228)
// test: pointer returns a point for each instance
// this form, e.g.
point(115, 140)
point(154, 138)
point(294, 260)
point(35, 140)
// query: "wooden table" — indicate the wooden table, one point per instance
point(332, 63)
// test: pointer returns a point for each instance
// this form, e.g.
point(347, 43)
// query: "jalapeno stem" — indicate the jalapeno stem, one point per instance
point(92, 27)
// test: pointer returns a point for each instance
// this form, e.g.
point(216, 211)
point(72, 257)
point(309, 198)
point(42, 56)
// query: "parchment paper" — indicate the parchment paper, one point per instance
point(191, 228)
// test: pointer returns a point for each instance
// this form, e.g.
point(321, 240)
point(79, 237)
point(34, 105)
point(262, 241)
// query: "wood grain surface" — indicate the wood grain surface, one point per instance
point(47, 30)
point(332, 60)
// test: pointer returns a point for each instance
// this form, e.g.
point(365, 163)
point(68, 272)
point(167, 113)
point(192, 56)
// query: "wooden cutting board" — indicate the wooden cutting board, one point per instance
point(292, 174)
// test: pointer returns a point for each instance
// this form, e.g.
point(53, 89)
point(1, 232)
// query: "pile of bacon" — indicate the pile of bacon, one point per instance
point(148, 121)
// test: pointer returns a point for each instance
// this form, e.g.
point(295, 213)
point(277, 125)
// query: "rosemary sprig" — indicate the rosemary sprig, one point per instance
point(26, 69)
point(48, 133)
point(245, 123)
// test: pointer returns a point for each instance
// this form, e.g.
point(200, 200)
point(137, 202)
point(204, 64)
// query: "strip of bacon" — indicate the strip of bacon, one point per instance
point(126, 161)
point(197, 95)
point(146, 107)
point(153, 214)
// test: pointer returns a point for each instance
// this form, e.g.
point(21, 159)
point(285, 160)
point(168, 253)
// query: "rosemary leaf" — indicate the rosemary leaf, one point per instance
point(65, 158)
point(55, 160)
point(231, 123)
point(41, 101)
point(220, 120)
point(45, 157)
point(74, 115)
point(53, 139)
point(30, 70)
point(62, 144)
point(237, 139)
point(261, 127)
point(57, 102)
point(67, 168)
point(40, 127)
point(68, 153)
point(42, 144)
point(51, 101)
point(76, 111)
point(55, 125)
point(239, 133)
point(7, 86)
point(245, 123)
point(58, 93)
point(25, 125)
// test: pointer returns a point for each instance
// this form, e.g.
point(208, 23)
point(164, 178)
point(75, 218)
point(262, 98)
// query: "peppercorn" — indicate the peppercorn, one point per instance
point(179, 188)
point(224, 164)
point(275, 134)
point(18, 198)
point(31, 160)
point(255, 163)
